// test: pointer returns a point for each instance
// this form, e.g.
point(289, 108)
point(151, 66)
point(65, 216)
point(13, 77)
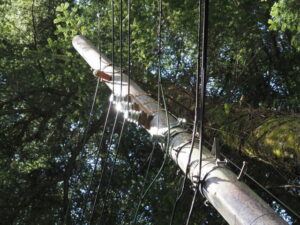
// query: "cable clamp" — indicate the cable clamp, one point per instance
point(180, 147)
point(221, 162)
point(123, 105)
point(132, 116)
point(103, 76)
point(181, 122)
point(203, 180)
point(206, 203)
point(175, 133)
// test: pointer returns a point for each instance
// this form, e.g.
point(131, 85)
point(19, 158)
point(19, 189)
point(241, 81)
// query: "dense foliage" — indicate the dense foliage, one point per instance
point(48, 148)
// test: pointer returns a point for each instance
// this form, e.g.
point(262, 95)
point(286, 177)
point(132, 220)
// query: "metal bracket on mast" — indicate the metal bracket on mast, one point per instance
point(216, 151)
point(243, 171)
point(215, 148)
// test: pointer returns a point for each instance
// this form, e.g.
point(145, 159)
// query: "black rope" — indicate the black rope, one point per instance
point(202, 96)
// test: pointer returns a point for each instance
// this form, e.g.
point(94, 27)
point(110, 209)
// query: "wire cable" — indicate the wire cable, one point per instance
point(92, 108)
point(149, 164)
point(262, 187)
point(129, 79)
point(106, 119)
point(121, 88)
point(160, 92)
point(107, 190)
point(121, 94)
point(98, 151)
point(202, 96)
point(257, 183)
point(129, 51)
point(103, 168)
point(196, 116)
point(113, 45)
point(145, 179)
point(253, 179)
point(83, 143)
point(121, 45)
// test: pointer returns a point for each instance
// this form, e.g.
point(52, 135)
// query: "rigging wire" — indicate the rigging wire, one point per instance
point(146, 177)
point(149, 164)
point(115, 122)
point(160, 92)
point(100, 143)
point(83, 144)
point(203, 93)
point(129, 51)
point(107, 190)
point(257, 183)
point(93, 105)
point(103, 168)
point(262, 187)
point(129, 79)
point(113, 45)
point(196, 117)
point(283, 176)
point(160, 86)
point(265, 189)
point(94, 99)
point(121, 45)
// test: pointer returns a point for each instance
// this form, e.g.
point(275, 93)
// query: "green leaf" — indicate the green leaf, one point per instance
point(227, 108)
